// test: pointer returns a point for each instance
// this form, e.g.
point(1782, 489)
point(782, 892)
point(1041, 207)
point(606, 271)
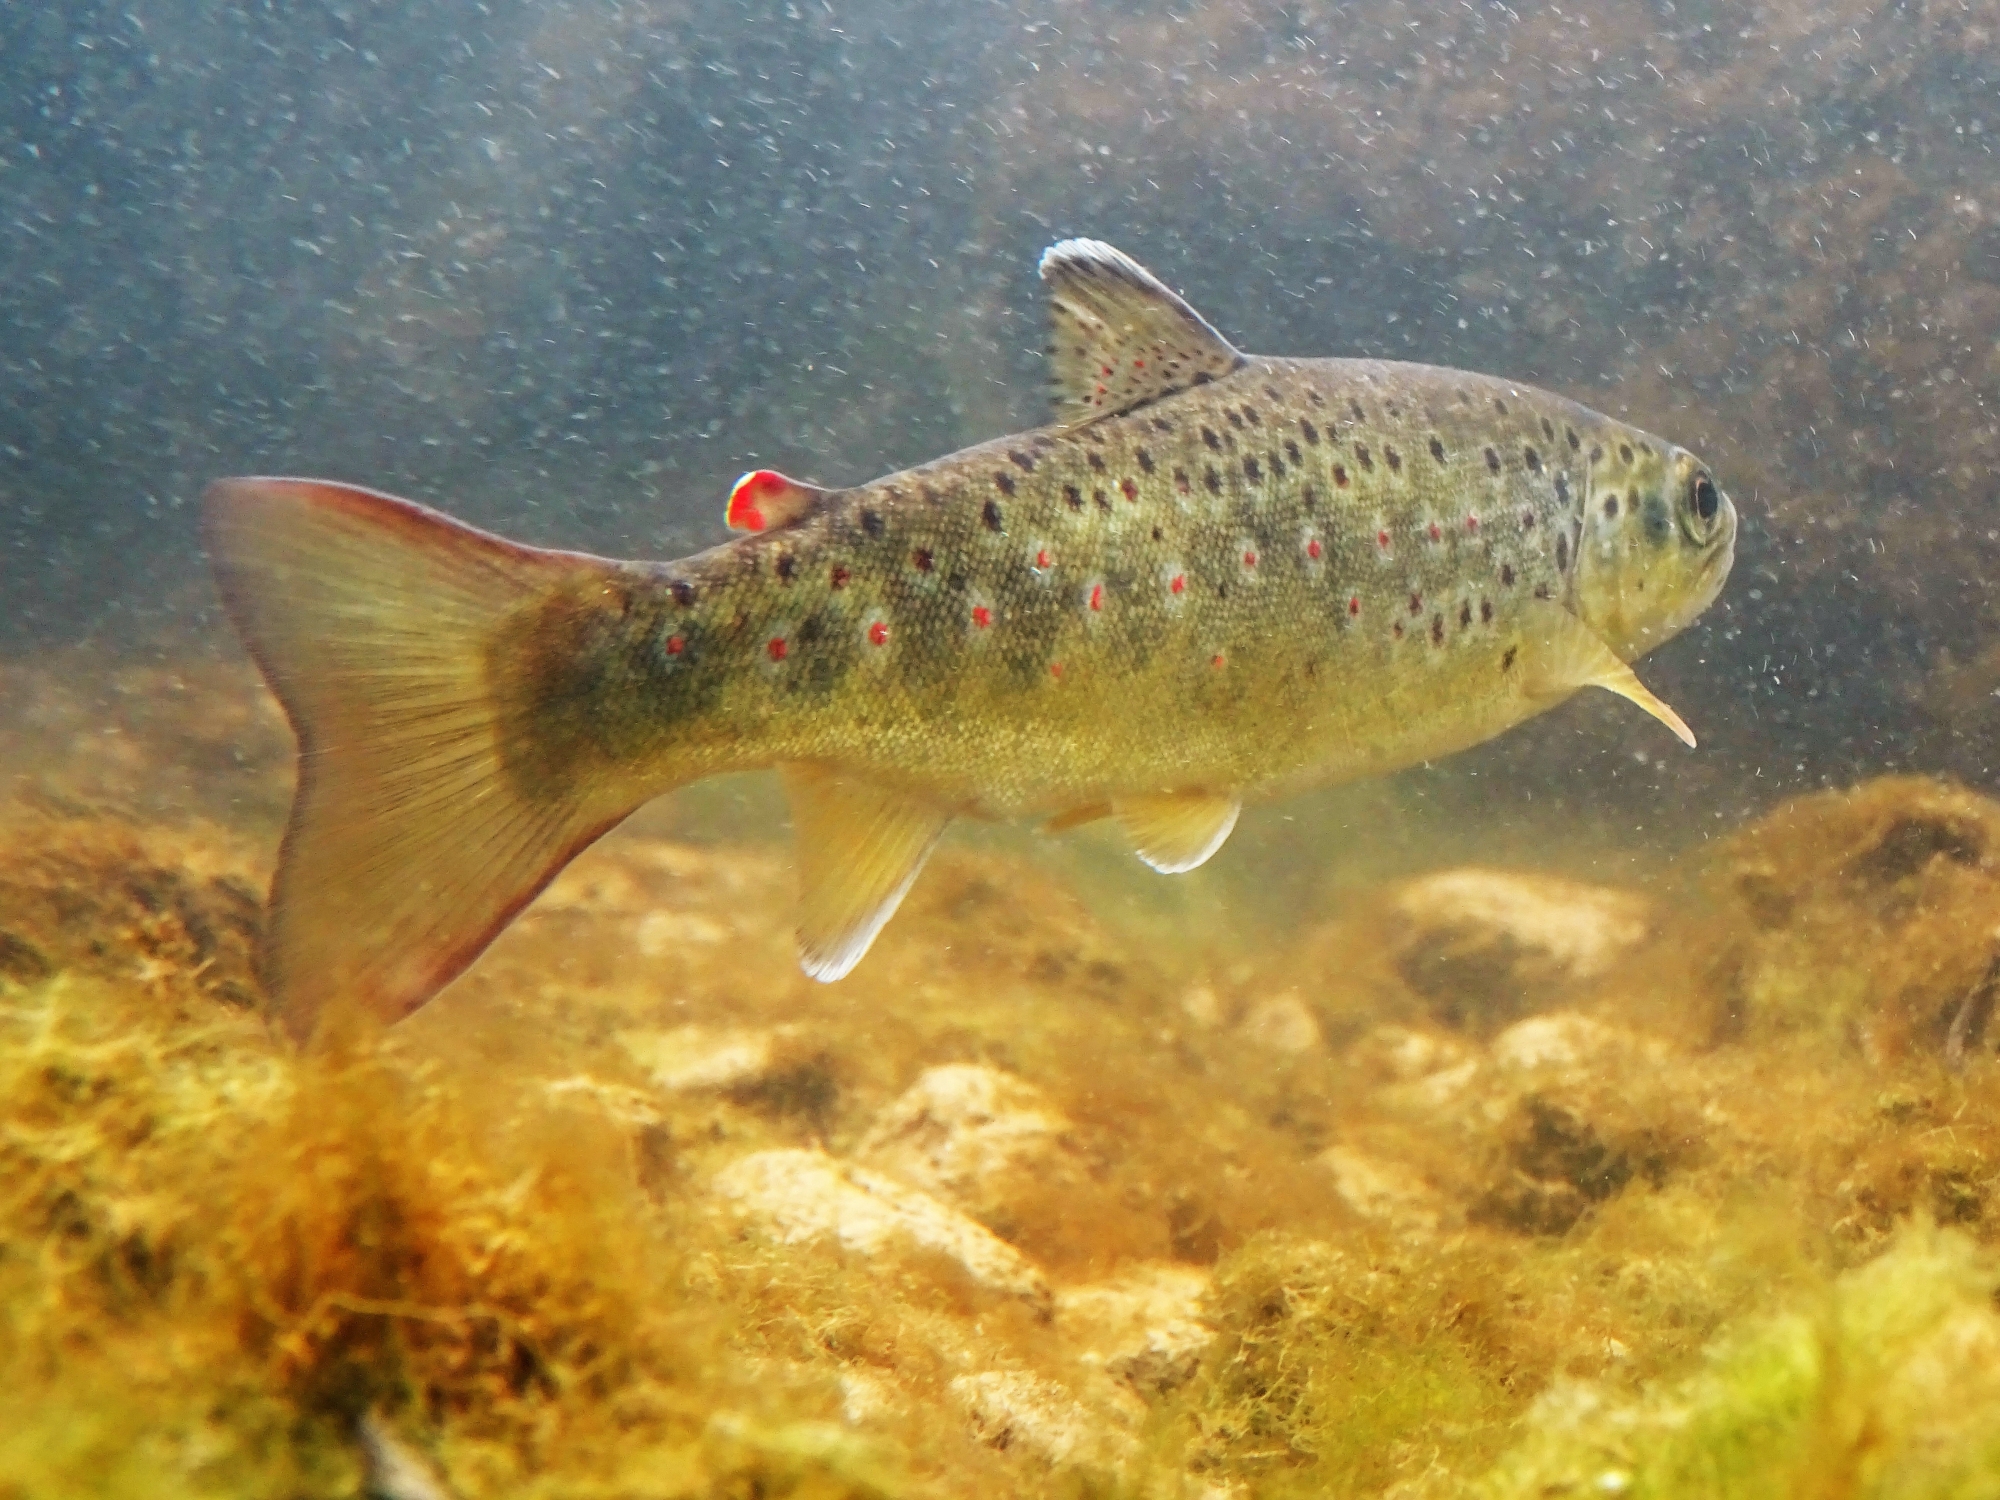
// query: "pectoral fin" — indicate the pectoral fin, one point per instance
point(1175, 832)
point(1562, 654)
point(860, 847)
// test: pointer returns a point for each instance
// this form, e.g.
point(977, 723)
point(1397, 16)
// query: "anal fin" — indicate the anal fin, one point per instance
point(860, 846)
point(1562, 654)
point(1175, 832)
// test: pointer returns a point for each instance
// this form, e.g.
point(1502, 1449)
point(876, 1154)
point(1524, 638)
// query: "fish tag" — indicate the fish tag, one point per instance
point(1118, 338)
point(1175, 832)
point(764, 500)
point(1561, 655)
point(860, 847)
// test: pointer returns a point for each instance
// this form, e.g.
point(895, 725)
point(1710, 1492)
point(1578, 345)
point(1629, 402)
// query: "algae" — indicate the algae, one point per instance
point(1631, 1187)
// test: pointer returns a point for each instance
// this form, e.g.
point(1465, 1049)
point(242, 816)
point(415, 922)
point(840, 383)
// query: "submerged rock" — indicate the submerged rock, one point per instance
point(1016, 1409)
point(978, 1137)
point(804, 1195)
point(1144, 1326)
point(1484, 946)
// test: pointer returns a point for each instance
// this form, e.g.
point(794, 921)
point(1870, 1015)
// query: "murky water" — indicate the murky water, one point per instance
point(1581, 1113)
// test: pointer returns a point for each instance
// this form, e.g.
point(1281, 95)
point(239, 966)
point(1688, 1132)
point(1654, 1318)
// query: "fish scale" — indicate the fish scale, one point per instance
point(1213, 577)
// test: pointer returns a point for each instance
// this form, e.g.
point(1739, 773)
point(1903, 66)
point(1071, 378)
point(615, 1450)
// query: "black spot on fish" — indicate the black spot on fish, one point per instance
point(1250, 469)
point(1212, 479)
point(1395, 410)
point(787, 566)
point(1274, 393)
point(1528, 520)
point(1158, 535)
point(811, 628)
point(1437, 450)
point(1548, 430)
point(1309, 497)
point(1315, 397)
point(1465, 614)
point(683, 592)
point(1596, 453)
point(1020, 460)
point(838, 577)
point(1145, 460)
point(1235, 420)
point(1202, 377)
point(930, 494)
point(1161, 424)
point(1570, 437)
point(1500, 406)
point(1340, 475)
point(1277, 465)
point(1096, 461)
point(1181, 480)
point(1292, 451)
point(1214, 443)
point(1311, 432)
point(1532, 459)
point(990, 512)
point(1486, 611)
point(1100, 500)
point(1361, 456)
point(1506, 575)
point(1392, 458)
point(1493, 459)
point(1355, 407)
point(1041, 442)
point(1647, 449)
point(871, 522)
point(1562, 551)
point(1250, 416)
point(1072, 497)
point(1005, 481)
point(1610, 507)
point(1632, 499)
point(1507, 658)
point(1437, 630)
point(1625, 452)
point(1562, 488)
point(1416, 604)
point(922, 560)
point(1541, 591)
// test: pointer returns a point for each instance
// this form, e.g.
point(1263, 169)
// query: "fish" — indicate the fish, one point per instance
point(1211, 578)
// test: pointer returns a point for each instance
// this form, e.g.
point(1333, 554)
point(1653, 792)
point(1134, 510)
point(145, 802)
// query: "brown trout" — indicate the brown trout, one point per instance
point(1213, 577)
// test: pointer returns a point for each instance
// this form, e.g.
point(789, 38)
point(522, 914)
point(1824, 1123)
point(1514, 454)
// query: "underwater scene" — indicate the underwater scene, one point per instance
point(1190, 751)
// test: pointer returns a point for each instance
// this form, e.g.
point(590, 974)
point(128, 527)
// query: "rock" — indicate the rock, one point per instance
point(773, 1069)
point(1283, 1023)
point(1014, 1409)
point(973, 1135)
point(1385, 1191)
point(1565, 1041)
point(1483, 946)
point(806, 1195)
point(1402, 1054)
point(1144, 1326)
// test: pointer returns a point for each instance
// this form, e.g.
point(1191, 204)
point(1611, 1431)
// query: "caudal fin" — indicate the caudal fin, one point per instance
point(410, 845)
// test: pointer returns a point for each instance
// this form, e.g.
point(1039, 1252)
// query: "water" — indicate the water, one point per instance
point(566, 270)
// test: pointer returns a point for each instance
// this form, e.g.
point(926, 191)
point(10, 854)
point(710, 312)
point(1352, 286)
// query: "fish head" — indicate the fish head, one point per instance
point(1657, 542)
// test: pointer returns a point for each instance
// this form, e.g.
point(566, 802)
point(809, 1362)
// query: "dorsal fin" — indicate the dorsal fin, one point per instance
point(1118, 337)
point(764, 500)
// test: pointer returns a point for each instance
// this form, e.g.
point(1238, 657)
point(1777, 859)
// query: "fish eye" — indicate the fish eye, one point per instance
point(1705, 498)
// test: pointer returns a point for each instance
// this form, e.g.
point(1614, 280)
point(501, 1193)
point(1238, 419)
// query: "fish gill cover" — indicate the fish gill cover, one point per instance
point(1581, 1113)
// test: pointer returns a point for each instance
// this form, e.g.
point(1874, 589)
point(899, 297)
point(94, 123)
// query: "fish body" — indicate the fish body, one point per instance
point(1214, 577)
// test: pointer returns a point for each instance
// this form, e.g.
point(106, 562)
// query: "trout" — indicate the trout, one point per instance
point(1213, 577)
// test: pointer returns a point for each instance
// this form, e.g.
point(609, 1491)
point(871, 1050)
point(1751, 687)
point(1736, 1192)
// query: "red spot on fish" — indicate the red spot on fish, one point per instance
point(1043, 560)
point(1215, 660)
point(1249, 559)
point(1177, 584)
point(1130, 488)
point(1097, 596)
point(878, 634)
point(1354, 604)
point(776, 647)
point(1472, 523)
point(675, 645)
point(1436, 535)
point(1382, 540)
point(981, 616)
point(1313, 549)
point(1105, 371)
point(840, 576)
point(1055, 669)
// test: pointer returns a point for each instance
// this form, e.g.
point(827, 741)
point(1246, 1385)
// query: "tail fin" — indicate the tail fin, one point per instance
point(409, 846)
